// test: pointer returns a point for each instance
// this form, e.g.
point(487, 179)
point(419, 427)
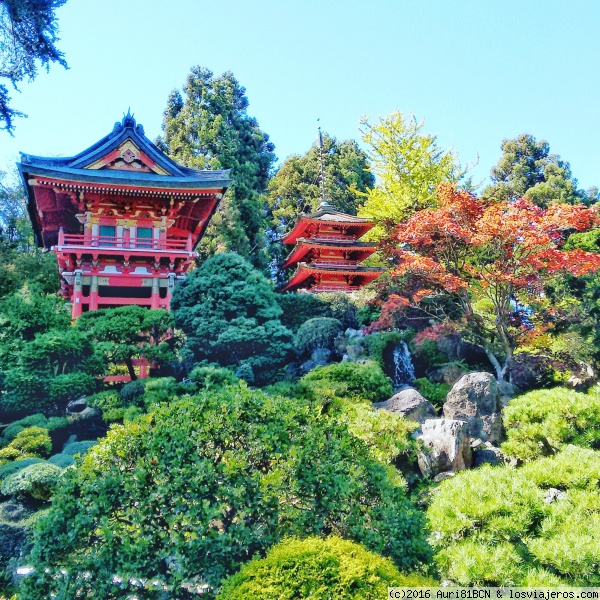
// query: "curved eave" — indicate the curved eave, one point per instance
point(304, 271)
point(303, 247)
point(127, 128)
point(358, 228)
point(218, 181)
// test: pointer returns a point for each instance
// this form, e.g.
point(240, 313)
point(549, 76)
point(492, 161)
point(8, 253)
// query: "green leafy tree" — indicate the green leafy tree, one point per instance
point(28, 34)
point(528, 169)
point(209, 128)
point(205, 483)
point(129, 332)
point(409, 165)
point(230, 315)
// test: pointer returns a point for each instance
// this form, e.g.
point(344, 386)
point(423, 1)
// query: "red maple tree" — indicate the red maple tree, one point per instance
point(470, 250)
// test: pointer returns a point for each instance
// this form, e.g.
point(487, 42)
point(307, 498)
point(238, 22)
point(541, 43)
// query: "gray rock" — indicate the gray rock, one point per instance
point(318, 358)
point(445, 446)
point(474, 398)
point(486, 454)
point(409, 404)
point(552, 495)
point(448, 374)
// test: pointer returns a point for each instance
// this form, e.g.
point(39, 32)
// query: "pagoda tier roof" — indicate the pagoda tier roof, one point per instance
point(306, 271)
point(327, 216)
point(304, 246)
point(123, 157)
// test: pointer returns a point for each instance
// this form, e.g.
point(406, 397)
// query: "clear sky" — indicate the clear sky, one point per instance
point(476, 71)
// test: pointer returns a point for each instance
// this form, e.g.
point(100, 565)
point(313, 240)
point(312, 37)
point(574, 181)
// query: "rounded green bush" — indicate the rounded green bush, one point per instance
point(36, 481)
point(316, 333)
point(365, 380)
point(211, 376)
point(542, 421)
point(29, 442)
point(330, 568)
point(78, 447)
point(133, 392)
point(16, 465)
point(11, 432)
point(62, 460)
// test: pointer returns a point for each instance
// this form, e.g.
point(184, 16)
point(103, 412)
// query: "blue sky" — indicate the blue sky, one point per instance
point(476, 71)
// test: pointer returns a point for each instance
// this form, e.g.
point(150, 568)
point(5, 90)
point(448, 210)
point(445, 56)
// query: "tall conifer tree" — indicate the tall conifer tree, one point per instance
point(208, 127)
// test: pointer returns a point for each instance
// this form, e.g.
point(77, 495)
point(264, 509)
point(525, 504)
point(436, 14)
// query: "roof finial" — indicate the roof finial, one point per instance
point(128, 120)
point(324, 203)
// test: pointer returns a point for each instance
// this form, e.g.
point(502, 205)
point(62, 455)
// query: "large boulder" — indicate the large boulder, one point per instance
point(445, 446)
point(409, 404)
point(475, 398)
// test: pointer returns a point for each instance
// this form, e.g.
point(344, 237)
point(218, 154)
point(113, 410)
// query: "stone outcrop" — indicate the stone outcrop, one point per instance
point(445, 446)
point(475, 398)
point(485, 453)
point(409, 404)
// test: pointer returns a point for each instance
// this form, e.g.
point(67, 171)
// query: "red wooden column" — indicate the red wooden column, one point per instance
point(155, 297)
point(94, 293)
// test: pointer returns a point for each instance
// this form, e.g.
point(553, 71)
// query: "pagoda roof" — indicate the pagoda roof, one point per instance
point(305, 245)
point(123, 157)
point(327, 215)
point(305, 271)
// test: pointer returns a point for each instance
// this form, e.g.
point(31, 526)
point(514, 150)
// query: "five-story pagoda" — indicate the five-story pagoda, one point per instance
point(328, 252)
point(122, 218)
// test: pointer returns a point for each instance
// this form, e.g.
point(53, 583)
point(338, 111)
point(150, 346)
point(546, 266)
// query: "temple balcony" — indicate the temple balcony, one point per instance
point(332, 263)
point(116, 245)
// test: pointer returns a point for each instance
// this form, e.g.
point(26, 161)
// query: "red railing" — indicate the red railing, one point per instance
point(130, 243)
point(335, 264)
point(339, 239)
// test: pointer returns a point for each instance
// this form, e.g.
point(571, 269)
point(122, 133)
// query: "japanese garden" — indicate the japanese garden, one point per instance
point(224, 376)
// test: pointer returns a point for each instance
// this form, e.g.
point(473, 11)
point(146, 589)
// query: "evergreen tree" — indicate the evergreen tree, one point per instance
point(295, 188)
point(229, 312)
point(528, 169)
point(27, 34)
point(208, 127)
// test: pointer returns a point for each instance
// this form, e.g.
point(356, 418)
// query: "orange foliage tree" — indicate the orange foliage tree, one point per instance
point(489, 261)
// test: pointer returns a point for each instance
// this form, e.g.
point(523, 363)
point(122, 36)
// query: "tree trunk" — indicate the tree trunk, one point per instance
point(129, 364)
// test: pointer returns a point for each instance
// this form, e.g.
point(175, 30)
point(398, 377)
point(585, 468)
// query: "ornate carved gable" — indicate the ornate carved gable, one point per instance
point(127, 157)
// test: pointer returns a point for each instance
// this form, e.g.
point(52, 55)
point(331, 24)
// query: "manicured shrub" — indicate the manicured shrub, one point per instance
point(542, 421)
point(210, 377)
point(62, 460)
point(364, 380)
point(70, 386)
point(78, 447)
point(32, 441)
point(36, 481)
point(534, 525)
point(317, 568)
point(213, 480)
point(11, 432)
point(133, 392)
point(319, 332)
point(16, 465)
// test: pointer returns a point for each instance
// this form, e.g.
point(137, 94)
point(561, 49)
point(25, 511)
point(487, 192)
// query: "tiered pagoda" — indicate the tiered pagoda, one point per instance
point(122, 218)
point(328, 254)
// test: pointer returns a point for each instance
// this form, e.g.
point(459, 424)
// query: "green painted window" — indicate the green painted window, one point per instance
point(107, 231)
point(143, 234)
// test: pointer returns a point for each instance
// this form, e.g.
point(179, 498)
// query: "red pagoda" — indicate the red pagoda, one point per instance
point(328, 253)
point(122, 218)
